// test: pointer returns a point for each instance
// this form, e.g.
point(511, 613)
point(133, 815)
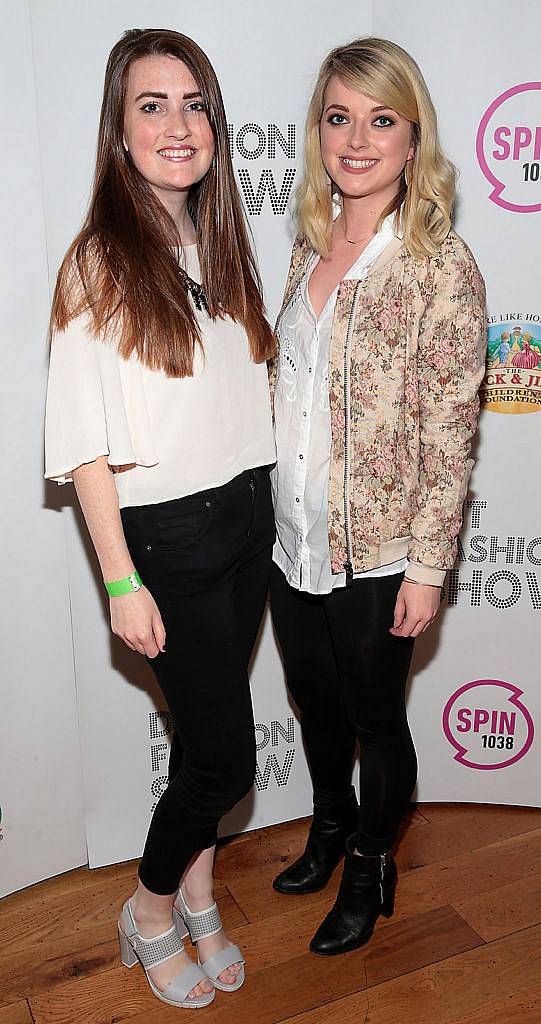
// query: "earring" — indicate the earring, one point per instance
point(125, 144)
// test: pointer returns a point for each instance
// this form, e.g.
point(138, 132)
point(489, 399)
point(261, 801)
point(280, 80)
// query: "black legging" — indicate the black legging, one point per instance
point(206, 561)
point(347, 675)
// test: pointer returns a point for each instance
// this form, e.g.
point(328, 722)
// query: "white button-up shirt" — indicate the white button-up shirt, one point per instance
point(303, 434)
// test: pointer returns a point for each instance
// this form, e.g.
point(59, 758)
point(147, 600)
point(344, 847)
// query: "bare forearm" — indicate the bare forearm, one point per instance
point(98, 498)
point(135, 617)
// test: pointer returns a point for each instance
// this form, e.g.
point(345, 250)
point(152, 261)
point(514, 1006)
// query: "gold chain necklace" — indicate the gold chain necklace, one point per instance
point(351, 240)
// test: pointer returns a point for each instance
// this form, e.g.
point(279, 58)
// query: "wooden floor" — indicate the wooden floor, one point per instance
point(463, 947)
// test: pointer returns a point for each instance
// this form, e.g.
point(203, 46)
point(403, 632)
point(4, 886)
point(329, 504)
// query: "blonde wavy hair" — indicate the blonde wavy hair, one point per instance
point(423, 205)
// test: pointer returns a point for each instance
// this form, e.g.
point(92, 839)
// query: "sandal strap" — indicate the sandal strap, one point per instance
point(225, 958)
point(179, 987)
point(201, 923)
point(151, 952)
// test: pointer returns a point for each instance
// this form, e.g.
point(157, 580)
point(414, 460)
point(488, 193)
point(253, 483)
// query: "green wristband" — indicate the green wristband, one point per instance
point(126, 586)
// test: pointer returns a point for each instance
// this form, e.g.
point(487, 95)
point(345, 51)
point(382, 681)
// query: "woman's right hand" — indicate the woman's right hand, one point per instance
point(136, 619)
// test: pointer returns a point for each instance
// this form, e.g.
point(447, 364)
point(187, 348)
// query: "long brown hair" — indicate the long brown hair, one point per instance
point(122, 266)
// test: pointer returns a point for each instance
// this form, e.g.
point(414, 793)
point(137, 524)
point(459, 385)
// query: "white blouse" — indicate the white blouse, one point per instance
point(300, 479)
point(167, 437)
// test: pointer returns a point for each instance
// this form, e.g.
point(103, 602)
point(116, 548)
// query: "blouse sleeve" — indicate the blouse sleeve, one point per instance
point(95, 405)
point(75, 421)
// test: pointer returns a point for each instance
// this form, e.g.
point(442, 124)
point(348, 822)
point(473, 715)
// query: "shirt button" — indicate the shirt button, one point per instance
point(304, 414)
point(297, 500)
point(309, 369)
point(301, 456)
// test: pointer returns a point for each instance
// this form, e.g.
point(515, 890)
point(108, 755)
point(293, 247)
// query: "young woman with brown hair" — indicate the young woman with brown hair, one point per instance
point(382, 347)
point(158, 409)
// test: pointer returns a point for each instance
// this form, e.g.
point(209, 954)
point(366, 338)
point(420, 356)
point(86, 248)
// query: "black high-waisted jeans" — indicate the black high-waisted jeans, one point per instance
point(347, 675)
point(206, 560)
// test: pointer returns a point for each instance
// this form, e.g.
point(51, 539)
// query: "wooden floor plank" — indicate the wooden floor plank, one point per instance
point(521, 1008)
point(80, 880)
point(417, 817)
point(456, 991)
point(503, 910)
point(55, 965)
point(82, 942)
point(436, 813)
point(457, 824)
point(120, 996)
point(51, 911)
point(264, 852)
point(443, 882)
point(289, 936)
point(351, 1010)
point(267, 851)
point(463, 946)
point(67, 915)
point(471, 874)
point(276, 987)
point(16, 1013)
point(456, 829)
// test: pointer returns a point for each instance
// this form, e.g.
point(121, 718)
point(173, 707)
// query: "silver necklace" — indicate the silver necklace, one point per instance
point(195, 290)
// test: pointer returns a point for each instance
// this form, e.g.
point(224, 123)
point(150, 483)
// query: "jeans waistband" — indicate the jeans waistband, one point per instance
point(157, 510)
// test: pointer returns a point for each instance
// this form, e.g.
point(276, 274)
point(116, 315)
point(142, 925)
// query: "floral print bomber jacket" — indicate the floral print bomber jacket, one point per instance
point(408, 349)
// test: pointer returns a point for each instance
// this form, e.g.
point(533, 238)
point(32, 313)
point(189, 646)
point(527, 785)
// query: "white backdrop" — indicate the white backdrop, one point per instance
point(475, 742)
point(41, 801)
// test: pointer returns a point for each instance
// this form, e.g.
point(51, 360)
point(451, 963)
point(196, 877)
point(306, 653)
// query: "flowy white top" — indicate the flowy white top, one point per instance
point(300, 480)
point(165, 437)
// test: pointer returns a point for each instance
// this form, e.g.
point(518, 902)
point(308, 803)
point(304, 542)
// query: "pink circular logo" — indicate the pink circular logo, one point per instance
point(488, 725)
point(509, 148)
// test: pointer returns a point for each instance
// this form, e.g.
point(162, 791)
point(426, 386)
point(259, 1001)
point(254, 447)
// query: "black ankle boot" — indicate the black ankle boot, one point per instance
point(366, 891)
point(325, 846)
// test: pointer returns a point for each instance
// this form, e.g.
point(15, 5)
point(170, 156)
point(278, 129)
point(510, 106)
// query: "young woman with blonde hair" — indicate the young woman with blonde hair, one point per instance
point(158, 409)
point(382, 349)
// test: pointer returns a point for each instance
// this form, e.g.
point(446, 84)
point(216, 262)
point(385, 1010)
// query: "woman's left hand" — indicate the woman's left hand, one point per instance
point(417, 605)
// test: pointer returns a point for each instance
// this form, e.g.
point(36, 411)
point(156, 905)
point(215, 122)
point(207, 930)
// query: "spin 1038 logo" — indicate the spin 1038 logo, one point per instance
point(509, 148)
point(488, 724)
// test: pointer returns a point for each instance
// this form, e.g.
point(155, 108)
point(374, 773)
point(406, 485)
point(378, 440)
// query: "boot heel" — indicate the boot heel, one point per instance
point(128, 955)
point(387, 907)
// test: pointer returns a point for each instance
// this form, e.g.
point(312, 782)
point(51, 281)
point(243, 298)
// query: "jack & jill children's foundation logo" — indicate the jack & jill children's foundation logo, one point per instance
point(488, 724)
point(512, 381)
point(509, 148)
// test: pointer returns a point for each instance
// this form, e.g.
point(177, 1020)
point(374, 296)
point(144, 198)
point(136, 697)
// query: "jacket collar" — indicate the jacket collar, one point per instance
point(303, 253)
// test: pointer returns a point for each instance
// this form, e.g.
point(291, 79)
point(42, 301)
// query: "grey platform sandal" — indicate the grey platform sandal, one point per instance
point(201, 925)
point(151, 952)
